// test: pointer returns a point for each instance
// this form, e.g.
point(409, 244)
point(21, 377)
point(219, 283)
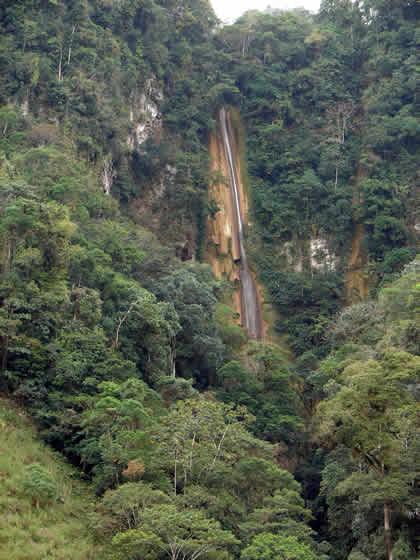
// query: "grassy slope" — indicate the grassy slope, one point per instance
point(56, 531)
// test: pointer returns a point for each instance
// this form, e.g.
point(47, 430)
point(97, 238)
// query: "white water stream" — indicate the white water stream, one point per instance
point(251, 317)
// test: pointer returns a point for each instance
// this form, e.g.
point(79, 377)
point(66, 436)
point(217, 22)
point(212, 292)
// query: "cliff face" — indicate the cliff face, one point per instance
point(226, 250)
point(222, 251)
point(120, 95)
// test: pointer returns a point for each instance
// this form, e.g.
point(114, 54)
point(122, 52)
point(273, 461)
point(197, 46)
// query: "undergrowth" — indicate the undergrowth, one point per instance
point(55, 529)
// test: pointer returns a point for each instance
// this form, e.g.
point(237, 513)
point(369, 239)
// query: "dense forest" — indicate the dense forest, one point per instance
point(167, 433)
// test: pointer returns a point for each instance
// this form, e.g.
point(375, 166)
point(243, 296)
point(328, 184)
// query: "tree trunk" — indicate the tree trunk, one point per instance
point(59, 64)
point(175, 470)
point(120, 322)
point(387, 528)
point(3, 380)
point(5, 354)
point(8, 254)
point(71, 44)
point(117, 334)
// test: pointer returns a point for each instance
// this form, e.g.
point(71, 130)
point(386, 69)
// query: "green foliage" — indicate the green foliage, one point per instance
point(283, 513)
point(197, 345)
point(39, 485)
point(383, 211)
point(370, 412)
point(274, 547)
point(306, 302)
point(204, 474)
point(163, 527)
point(114, 429)
point(33, 475)
point(107, 338)
point(265, 388)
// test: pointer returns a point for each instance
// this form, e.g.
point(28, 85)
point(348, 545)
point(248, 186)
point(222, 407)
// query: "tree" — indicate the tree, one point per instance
point(124, 505)
point(196, 349)
point(276, 547)
point(198, 436)
point(114, 430)
point(365, 412)
point(339, 122)
point(39, 484)
point(283, 513)
point(139, 301)
point(185, 534)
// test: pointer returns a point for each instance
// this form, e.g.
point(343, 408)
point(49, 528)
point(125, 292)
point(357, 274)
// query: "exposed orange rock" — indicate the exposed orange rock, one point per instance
point(356, 283)
point(243, 198)
point(223, 251)
point(222, 241)
point(357, 287)
point(221, 228)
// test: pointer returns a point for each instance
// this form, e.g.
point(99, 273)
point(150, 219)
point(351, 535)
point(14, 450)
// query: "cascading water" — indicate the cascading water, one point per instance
point(250, 309)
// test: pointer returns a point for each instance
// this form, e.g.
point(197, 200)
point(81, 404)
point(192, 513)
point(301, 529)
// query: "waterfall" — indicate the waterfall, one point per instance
point(250, 309)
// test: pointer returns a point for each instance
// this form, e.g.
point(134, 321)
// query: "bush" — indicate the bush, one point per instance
point(39, 484)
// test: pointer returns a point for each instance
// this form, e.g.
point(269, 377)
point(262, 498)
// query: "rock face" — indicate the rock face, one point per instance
point(250, 307)
point(145, 123)
point(311, 254)
point(226, 251)
point(321, 256)
point(108, 174)
point(145, 115)
point(150, 206)
point(357, 288)
point(223, 248)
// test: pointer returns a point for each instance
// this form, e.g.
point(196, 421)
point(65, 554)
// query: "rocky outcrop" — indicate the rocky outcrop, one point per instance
point(108, 174)
point(145, 115)
point(357, 288)
point(150, 205)
point(225, 241)
point(321, 257)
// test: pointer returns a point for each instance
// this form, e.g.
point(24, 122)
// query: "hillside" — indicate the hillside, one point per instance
point(44, 506)
point(122, 258)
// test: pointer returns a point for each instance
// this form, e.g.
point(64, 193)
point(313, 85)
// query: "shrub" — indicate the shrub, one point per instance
point(39, 484)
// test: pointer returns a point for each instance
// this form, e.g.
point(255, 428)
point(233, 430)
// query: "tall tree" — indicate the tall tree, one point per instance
point(371, 410)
